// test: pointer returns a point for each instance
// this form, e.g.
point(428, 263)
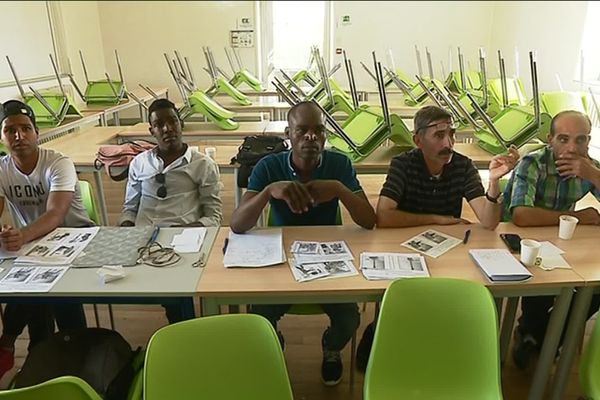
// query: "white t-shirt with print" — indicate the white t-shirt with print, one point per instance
point(27, 195)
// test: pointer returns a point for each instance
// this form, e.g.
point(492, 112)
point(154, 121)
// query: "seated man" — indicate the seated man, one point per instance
point(303, 187)
point(545, 185)
point(426, 186)
point(171, 185)
point(42, 190)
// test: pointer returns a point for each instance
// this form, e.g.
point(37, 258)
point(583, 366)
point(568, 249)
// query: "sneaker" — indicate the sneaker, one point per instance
point(524, 348)
point(7, 360)
point(364, 348)
point(332, 368)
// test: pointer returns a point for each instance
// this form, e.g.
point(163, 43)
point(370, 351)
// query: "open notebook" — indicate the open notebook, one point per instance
point(499, 265)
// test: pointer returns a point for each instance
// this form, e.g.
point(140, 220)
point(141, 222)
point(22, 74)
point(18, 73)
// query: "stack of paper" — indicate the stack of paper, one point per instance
point(552, 258)
point(59, 247)
point(189, 240)
point(500, 265)
point(257, 248)
point(314, 260)
point(31, 279)
point(432, 243)
point(376, 266)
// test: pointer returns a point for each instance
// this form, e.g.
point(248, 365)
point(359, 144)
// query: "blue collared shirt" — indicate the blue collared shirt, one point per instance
point(278, 167)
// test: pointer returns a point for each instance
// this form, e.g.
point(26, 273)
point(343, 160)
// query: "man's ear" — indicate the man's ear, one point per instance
point(417, 139)
point(287, 132)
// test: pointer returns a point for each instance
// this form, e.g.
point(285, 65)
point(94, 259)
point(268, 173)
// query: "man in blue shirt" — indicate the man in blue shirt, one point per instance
point(304, 187)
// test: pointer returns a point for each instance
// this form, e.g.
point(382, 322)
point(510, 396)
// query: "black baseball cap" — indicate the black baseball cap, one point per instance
point(16, 107)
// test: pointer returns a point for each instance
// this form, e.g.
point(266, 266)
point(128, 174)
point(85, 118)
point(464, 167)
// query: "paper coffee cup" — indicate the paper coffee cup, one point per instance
point(566, 227)
point(210, 151)
point(530, 251)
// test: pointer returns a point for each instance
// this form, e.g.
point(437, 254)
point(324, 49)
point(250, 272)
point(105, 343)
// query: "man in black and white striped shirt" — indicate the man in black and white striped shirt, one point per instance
point(426, 185)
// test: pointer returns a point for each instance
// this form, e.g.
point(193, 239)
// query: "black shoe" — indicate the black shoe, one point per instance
point(281, 340)
point(523, 349)
point(364, 348)
point(332, 368)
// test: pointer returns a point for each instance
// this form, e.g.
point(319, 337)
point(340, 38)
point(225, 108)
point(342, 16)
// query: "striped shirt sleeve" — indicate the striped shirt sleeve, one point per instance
point(395, 181)
point(524, 185)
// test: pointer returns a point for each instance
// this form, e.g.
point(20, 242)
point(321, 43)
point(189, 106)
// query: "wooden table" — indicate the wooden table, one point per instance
point(209, 131)
point(276, 285)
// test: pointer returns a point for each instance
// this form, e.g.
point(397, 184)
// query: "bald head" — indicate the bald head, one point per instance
point(302, 111)
point(570, 118)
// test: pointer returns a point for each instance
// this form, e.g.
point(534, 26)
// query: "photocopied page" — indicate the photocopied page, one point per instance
point(29, 279)
point(255, 248)
point(432, 243)
point(377, 266)
point(321, 260)
point(59, 247)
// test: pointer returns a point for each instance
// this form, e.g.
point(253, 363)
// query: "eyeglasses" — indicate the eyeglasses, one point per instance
point(442, 126)
point(162, 190)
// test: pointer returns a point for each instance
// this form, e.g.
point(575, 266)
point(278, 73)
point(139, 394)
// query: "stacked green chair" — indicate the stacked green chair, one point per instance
point(49, 106)
point(589, 369)
point(3, 150)
point(195, 100)
point(240, 74)
point(235, 356)
point(103, 91)
point(555, 102)
point(219, 83)
point(436, 338)
point(369, 126)
point(414, 94)
point(62, 388)
point(514, 125)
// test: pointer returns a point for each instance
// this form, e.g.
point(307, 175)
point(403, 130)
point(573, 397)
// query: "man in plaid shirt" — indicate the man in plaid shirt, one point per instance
point(545, 185)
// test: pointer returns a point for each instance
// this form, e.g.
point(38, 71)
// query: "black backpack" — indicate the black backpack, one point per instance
point(101, 357)
point(252, 150)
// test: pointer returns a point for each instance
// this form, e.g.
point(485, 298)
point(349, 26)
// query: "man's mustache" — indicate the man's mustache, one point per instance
point(445, 152)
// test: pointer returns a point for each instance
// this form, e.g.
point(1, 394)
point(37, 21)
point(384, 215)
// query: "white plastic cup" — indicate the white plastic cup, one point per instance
point(530, 252)
point(566, 227)
point(211, 152)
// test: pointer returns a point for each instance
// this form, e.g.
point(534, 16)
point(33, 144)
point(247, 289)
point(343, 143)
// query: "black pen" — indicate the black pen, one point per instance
point(225, 243)
point(467, 234)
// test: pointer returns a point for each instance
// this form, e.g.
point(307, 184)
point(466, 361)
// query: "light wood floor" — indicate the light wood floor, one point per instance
point(303, 333)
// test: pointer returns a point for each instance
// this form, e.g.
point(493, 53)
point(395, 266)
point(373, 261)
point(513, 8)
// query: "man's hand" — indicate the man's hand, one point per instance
point(294, 193)
point(447, 220)
point(588, 216)
point(503, 164)
point(11, 239)
point(575, 165)
point(323, 191)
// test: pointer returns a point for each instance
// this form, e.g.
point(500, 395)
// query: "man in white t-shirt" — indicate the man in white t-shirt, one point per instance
point(40, 186)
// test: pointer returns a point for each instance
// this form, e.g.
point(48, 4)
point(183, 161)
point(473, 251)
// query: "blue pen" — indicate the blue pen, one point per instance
point(154, 234)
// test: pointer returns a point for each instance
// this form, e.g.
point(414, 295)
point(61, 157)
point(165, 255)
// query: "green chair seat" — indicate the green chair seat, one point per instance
point(223, 86)
point(62, 388)
point(244, 76)
point(61, 106)
point(555, 102)
point(436, 338)
point(235, 356)
point(589, 369)
point(103, 92)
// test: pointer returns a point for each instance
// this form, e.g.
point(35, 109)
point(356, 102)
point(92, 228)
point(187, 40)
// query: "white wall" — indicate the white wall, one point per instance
point(553, 28)
point(379, 25)
point(143, 31)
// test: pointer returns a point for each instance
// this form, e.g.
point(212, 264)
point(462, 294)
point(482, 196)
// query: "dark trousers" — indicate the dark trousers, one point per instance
point(173, 313)
point(536, 315)
point(344, 320)
point(39, 318)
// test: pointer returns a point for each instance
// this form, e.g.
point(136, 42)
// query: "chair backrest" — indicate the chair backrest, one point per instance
point(555, 102)
point(235, 356)
point(62, 388)
point(87, 198)
point(436, 338)
point(589, 369)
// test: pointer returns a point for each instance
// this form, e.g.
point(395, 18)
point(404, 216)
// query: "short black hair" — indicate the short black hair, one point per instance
point(160, 104)
point(16, 107)
point(296, 107)
point(427, 115)
point(567, 113)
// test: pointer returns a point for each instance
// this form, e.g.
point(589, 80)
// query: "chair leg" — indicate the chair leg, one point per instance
point(111, 316)
point(352, 359)
point(96, 316)
point(364, 308)
point(2, 313)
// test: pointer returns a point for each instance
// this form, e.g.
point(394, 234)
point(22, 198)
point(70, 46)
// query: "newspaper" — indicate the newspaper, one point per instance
point(59, 247)
point(376, 266)
point(432, 243)
point(321, 260)
point(29, 278)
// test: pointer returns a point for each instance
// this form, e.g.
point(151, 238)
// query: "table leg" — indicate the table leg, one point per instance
point(101, 198)
point(576, 324)
point(507, 326)
point(209, 306)
point(237, 191)
point(546, 359)
point(116, 118)
point(187, 308)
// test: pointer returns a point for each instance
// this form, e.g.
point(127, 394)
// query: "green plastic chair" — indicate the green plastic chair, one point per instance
point(515, 94)
point(245, 76)
point(3, 149)
point(222, 85)
point(87, 198)
point(454, 81)
point(234, 356)
point(555, 102)
point(104, 92)
point(62, 388)
point(60, 105)
point(589, 369)
point(200, 103)
point(436, 338)
point(304, 76)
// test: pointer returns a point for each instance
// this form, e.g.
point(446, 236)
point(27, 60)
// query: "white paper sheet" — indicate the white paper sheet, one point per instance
point(59, 247)
point(432, 243)
point(189, 240)
point(29, 278)
point(376, 266)
point(256, 248)
point(500, 265)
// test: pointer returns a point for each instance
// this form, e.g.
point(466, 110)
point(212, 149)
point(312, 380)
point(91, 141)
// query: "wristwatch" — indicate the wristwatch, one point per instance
point(495, 200)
